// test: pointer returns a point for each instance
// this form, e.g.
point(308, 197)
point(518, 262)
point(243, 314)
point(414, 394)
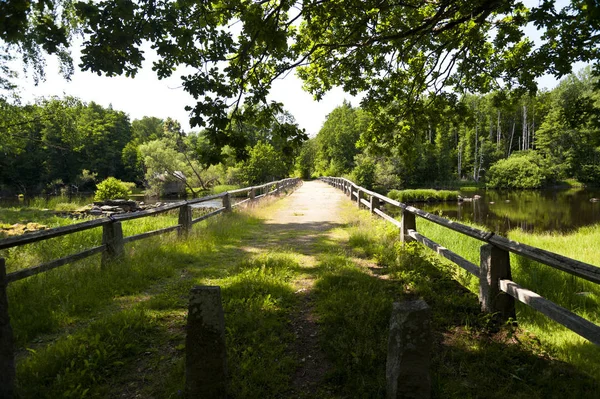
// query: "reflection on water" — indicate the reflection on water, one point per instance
point(533, 210)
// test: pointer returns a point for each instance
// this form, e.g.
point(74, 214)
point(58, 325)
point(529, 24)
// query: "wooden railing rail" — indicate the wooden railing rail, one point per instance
point(497, 291)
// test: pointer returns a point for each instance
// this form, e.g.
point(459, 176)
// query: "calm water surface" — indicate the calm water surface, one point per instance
point(532, 210)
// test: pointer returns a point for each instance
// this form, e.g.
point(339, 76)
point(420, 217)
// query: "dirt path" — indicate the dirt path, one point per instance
point(313, 206)
point(299, 221)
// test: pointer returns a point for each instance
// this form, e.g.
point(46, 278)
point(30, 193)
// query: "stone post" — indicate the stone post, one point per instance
point(408, 222)
point(7, 348)
point(112, 237)
point(185, 219)
point(227, 202)
point(409, 347)
point(205, 356)
point(495, 266)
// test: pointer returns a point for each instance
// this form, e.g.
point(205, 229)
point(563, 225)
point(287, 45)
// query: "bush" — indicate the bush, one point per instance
point(111, 188)
point(364, 172)
point(525, 169)
point(589, 174)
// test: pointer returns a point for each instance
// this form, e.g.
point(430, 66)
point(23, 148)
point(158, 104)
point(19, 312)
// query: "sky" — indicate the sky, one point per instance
point(145, 95)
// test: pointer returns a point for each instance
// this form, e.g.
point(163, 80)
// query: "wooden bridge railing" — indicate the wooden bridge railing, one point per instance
point(497, 291)
point(112, 247)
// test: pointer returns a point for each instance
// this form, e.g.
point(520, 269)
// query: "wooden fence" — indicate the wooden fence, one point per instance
point(497, 291)
point(112, 247)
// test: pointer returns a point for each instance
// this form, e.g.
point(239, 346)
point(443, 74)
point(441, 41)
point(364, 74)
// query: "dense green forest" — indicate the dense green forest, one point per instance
point(503, 139)
point(63, 144)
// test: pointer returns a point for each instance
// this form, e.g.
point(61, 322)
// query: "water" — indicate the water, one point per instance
point(537, 211)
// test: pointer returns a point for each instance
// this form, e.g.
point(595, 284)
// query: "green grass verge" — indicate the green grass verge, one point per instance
point(576, 294)
point(121, 331)
point(423, 195)
point(471, 356)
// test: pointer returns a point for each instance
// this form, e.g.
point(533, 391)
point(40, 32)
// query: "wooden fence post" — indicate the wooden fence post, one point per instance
point(227, 202)
point(349, 191)
point(407, 222)
point(205, 356)
point(358, 198)
point(409, 350)
point(112, 237)
point(495, 266)
point(185, 220)
point(7, 348)
point(374, 204)
point(252, 194)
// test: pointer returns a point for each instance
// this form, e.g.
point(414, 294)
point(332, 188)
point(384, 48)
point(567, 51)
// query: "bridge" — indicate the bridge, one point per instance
point(325, 276)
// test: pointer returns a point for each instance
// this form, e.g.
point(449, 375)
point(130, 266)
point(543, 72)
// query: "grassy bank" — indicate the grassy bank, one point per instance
point(575, 294)
point(121, 331)
point(423, 195)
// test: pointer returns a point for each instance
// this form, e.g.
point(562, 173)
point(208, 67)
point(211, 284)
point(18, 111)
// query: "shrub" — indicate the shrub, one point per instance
point(364, 172)
point(525, 169)
point(589, 174)
point(111, 188)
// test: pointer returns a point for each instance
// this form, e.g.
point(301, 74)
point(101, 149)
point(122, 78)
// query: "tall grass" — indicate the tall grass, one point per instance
point(423, 195)
point(470, 357)
point(576, 294)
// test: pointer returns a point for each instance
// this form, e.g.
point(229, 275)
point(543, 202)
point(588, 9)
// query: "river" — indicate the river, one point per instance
point(537, 211)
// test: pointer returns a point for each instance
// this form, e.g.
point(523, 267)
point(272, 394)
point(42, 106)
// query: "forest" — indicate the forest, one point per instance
point(66, 146)
point(502, 139)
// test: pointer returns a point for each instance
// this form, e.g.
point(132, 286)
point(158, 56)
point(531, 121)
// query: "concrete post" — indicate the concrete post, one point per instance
point(112, 237)
point(409, 347)
point(408, 222)
point(185, 219)
point(227, 202)
point(495, 266)
point(205, 356)
point(7, 348)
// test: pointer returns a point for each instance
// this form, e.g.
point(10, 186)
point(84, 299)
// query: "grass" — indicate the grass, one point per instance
point(87, 332)
point(471, 356)
point(576, 294)
point(423, 195)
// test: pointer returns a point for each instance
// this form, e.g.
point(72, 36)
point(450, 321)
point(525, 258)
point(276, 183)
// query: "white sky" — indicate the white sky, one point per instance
point(145, 95)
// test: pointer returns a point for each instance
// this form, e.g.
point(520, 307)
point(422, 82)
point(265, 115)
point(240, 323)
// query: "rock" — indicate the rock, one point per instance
point(109, 208)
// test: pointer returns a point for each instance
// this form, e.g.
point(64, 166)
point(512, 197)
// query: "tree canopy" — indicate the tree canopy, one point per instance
point(395, 51)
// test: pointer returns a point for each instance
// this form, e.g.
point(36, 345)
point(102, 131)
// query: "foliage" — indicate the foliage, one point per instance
point(423, 195)
point(263, 165)
point(394, 53)
point(521, 170)
point(363, 173)
point(111, 188)
point(306, 159)
point(336, 141)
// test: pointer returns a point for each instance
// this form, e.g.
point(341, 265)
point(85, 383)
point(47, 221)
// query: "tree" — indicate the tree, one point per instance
point(264, 164)
point(35, 28)
point(336, 141)
point(393, 51)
